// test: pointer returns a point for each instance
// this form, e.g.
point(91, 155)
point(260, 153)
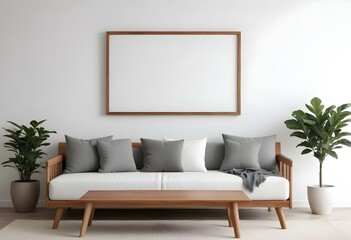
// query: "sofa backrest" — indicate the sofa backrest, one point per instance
point(213, 158)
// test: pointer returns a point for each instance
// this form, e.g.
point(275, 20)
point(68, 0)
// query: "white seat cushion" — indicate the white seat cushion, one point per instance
point(210, 180)
point(274, 188)
point(74, 185)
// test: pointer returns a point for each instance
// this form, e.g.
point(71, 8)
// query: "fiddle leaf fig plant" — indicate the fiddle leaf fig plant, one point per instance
point(26, 142)
point(321, 130)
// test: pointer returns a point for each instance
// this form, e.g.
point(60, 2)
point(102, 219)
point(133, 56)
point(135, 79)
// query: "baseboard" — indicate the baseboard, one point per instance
point(300, 204)
point(304, 204)
point(8, 204)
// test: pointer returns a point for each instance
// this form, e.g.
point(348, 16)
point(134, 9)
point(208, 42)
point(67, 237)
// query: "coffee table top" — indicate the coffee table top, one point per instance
point(149, 196)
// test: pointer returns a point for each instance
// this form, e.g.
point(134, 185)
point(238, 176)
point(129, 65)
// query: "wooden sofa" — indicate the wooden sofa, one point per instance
point(56, 165)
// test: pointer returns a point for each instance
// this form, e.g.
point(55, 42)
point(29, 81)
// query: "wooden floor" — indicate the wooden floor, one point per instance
point(340, 216)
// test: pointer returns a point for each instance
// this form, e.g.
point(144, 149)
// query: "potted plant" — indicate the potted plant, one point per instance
point(321, 131)
point(26, 142)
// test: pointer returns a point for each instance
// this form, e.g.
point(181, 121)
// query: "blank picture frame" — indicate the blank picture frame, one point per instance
point(173, 73)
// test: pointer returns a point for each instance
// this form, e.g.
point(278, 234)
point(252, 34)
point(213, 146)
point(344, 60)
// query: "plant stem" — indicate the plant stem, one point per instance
point(320, 173)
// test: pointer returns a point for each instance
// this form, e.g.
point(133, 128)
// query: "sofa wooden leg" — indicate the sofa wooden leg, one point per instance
point(269, 209)
point(57, 218)
point(234, 210)
point(230, 220)
point(281, 217)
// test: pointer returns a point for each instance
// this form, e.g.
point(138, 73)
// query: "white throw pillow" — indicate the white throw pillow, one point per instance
point(193, 154)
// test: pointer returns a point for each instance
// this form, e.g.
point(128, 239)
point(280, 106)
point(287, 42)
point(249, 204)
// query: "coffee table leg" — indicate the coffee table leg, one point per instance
point(57, 218)
point(91, 217)
point(235, 218)
point(86, 217)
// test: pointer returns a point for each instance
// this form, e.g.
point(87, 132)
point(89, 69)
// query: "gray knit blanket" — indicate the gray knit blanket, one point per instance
point(253, 176)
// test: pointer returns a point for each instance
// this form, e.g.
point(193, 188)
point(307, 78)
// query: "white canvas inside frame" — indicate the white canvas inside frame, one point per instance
point(173, 73)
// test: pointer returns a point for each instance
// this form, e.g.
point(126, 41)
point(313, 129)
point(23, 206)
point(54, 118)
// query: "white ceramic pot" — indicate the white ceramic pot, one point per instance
point(321, 199)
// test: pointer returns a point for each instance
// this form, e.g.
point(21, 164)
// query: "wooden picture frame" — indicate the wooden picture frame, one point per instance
point(173, 73)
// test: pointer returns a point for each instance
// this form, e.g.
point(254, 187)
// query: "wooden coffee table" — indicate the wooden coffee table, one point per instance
point(163, 199)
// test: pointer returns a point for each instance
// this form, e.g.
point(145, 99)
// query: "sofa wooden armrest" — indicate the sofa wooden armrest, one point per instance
point(285, 166)
point(54, 168)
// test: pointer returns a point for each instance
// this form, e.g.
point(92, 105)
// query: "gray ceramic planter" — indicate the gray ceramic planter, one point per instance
point(25, 195)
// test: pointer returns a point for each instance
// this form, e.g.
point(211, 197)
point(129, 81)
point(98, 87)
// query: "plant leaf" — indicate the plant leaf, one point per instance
point(298, 134)
point(305, 151)
point(293, 124)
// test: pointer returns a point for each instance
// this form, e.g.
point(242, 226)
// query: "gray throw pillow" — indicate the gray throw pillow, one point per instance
point(160, 156)
point(82, 155)
point(116, 156)
point(240, 155)
point(266, 154)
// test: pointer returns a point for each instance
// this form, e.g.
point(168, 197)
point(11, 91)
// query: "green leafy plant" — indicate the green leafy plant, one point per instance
point(26, 142)
point(321, 130)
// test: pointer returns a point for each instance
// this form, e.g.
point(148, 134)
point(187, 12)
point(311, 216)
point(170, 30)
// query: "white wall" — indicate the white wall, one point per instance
point(52, 67)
